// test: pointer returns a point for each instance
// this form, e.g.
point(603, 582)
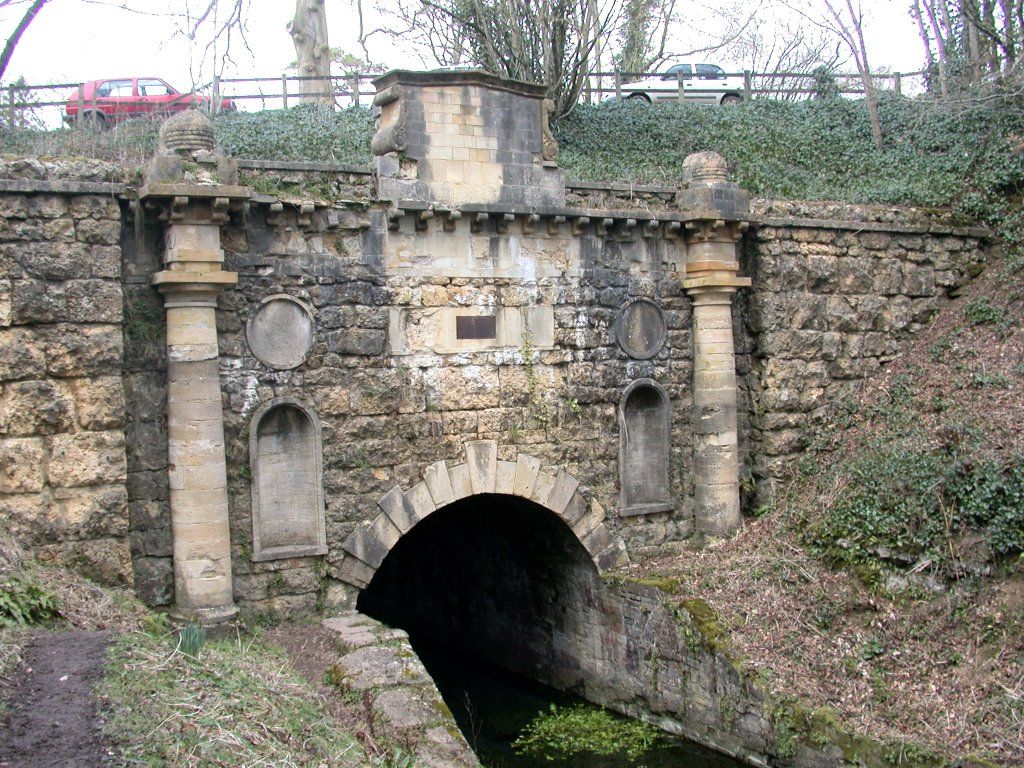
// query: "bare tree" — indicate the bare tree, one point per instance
point(773, 42)
point(845, 19)
point(552, 42)
point(309, 34)
point(12, 41)
point(969, 41)
point(643, 34)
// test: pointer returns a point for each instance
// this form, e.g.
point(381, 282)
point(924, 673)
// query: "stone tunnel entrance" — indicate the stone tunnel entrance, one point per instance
point(508, 612)
point(496, 576)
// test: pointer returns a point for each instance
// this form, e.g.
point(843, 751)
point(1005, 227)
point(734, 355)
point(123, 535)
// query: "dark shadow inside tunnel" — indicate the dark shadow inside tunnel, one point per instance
point(496, 577)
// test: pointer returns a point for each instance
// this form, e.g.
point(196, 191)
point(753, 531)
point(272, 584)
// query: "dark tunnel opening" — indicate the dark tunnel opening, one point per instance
point(496, 577)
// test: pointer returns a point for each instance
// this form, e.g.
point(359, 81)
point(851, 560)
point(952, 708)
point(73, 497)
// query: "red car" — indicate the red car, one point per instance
point(106, 102)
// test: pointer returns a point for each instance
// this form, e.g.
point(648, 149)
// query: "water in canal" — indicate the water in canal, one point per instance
point(492, 707)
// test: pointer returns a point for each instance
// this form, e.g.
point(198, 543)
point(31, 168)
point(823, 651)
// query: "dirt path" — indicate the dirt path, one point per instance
point(53, 720)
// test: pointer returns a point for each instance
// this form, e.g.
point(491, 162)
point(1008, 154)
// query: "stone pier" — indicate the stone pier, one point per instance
point(719, 210)
point(193, 276)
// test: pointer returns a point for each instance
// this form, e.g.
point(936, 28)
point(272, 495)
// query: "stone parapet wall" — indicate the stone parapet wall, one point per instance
point(62, 409)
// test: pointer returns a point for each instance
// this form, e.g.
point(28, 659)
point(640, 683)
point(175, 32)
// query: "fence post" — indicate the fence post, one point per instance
point(10, 106)
point(679, 85)
point(284, 90)
point(748, 91)
point(897, 81)
point(215, 100)
point(355, 88)
point(81, 103)
point(618, 85)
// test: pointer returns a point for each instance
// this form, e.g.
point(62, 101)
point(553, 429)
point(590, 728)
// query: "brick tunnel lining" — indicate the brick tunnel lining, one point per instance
point(496, 576)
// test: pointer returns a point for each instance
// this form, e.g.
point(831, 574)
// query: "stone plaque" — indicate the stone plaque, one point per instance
point(280, 332)
point(476, 327)
point(640, 329)
point(287, 494)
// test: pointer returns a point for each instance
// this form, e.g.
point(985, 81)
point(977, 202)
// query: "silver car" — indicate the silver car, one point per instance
point(702, 84)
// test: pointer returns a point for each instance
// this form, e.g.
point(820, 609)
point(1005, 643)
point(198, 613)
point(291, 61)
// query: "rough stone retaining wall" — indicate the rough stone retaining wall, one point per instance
point(62, 410)
point(647, 658)
point(837, 291)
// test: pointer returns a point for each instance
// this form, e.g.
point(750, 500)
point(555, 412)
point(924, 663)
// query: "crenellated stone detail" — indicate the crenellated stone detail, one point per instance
point(481, 473)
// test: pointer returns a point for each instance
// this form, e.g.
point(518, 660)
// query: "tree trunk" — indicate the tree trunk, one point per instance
point(940, 44)
point(12, 41)
point(852, 32)
point(309, 34)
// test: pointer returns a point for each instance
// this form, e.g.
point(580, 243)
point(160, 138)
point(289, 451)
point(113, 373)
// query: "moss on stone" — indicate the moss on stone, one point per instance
point(706, 621)
point(319, 187)
point(665, 584)
point(796, 725)
point(442, 708)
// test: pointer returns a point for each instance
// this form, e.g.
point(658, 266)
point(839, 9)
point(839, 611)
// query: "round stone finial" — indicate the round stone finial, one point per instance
point(707, 167)
point(186, 133)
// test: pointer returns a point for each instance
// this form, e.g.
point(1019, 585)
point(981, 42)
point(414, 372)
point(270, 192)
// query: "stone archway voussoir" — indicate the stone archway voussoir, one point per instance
point(355, 572)
point(482, 472)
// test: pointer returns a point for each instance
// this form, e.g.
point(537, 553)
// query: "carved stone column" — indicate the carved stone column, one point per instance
point(192, 277)
point(718, 209)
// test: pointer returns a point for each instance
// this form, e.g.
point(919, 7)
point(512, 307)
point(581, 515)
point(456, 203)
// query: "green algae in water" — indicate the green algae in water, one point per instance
point(494, 710)
point(582, 729)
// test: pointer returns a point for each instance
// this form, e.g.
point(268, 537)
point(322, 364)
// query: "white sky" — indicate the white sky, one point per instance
point(74, 40)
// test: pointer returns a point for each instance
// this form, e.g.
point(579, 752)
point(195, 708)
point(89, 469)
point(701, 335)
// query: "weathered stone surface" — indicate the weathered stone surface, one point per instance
point(36, 408)
point(403, 700)
point(399, 509)
point(86, 458)
point(378, 666)
point(106, 561)
point(100, 402)
point(154, 580)
point(482, 463)
point(82, 350)
point(93, 301)
point(280, 333)
point(439, 484)
point(22, 465)
point(22, 355)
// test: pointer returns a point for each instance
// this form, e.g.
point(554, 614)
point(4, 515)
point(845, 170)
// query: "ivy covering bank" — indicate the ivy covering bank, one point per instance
point(968, 154)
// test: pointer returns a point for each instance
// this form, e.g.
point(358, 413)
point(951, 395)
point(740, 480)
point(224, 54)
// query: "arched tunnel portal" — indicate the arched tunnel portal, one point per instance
point(495, 576)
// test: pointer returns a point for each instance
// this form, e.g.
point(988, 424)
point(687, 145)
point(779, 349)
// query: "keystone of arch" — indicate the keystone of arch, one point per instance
point(481, 472)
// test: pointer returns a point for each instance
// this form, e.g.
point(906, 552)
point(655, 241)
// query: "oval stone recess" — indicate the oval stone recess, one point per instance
point(280, 332)
point(640, 329)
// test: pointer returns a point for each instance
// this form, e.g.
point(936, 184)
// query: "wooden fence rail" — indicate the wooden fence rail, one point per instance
point(17, 101)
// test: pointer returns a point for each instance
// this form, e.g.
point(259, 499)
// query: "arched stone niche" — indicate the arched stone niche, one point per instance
point(645, 429)
point(286, 457)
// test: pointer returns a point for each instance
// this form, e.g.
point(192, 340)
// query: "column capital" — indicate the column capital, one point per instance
point(185, 202)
